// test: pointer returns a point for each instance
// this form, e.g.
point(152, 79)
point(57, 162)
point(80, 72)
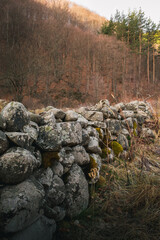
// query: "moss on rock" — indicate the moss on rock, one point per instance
point(101, 181)
point(116, 147)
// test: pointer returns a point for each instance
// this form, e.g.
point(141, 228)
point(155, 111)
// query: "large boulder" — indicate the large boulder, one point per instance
point(20, 139)
point(20, 206)
point(77, 194)
point(16, 116)
point(70, 133)
point(42, 229)
point(3, 142)
point(48, 138)
point(52, 138)
point(16, 165)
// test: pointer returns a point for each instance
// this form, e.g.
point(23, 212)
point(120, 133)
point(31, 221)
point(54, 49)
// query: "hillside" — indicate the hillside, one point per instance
point(91, 20)
point(50, 55)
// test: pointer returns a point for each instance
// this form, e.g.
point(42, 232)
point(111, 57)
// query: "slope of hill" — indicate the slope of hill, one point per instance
point(49, 52)
point(91, 20)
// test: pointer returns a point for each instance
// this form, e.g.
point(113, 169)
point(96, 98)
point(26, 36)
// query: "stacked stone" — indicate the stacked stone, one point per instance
point(45, 161)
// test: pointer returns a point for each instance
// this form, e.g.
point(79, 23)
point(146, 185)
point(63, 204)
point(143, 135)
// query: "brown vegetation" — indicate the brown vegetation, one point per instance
point(49, 56)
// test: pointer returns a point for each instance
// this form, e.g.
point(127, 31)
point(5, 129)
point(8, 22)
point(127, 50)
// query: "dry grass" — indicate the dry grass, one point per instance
point(128, 207)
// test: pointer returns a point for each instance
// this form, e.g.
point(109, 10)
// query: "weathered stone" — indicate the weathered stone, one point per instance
point(97, 124)
point(48, 118)
point(101, 104)
point(35, 118)
point(132, 105)
point(16, 116)
point(141, 117)
point(20, 139)
point(20, 206)
point(57, 168)
point(82, 120)
point(80, 155)
point(128, 123)
point(71, 116)
point(92, 132)
point(93, 116)
point(127, 114)
point(110, 112)
point(41, 229)
point(58, 113)
point(147, 133)
point(56, 192)
point(44, 176)
point(93, 146)
point(120, 106)
point(62, 134)
point(123, 141)
point(70, 133)
point(4, 145)
point(66, 158)
point(77, 194)
point(85, 137)
point(57, 213)
point(125, 132)
point(48, 138)
point(2, 122)
point(32, 129)
point(114, 126)
point(16, 165)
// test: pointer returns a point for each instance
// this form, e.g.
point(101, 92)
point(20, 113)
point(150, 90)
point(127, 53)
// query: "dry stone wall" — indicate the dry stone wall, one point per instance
point(48, 161)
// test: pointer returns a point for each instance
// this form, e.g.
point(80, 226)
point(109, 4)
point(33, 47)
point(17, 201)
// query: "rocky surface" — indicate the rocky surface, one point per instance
point(49, 160)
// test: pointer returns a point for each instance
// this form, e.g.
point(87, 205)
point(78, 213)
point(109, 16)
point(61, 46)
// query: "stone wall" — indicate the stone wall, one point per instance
point(48, 161)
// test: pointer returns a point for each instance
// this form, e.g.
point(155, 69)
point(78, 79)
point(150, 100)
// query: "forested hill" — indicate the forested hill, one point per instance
point(55, 52)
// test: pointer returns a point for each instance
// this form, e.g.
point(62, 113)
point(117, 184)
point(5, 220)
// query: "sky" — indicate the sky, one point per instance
point(105, 8)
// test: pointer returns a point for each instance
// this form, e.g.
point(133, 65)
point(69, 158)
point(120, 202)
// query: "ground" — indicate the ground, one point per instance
point(127, 205)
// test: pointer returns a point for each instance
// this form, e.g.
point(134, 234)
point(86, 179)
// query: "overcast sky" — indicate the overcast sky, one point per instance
point(107, 7)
